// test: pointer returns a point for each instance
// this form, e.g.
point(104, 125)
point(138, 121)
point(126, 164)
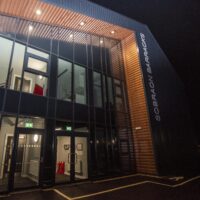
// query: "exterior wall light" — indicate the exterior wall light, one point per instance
point(138, 128)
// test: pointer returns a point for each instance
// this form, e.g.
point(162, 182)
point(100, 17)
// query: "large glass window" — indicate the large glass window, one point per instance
point(64, 78)
point(118, 95)
point(97, 92)
point(5, 54)
point(38, 53)
point(37, 65)
point(35, 84)
point(80, 84)
point(16, 67)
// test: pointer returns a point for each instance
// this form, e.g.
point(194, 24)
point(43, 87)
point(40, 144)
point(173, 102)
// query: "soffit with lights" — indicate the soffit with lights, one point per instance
point(61, 17)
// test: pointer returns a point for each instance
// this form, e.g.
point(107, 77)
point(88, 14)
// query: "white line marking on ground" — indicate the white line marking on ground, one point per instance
point(61, 194)
point(116, 178)
point(133, 185)
point(110, 190)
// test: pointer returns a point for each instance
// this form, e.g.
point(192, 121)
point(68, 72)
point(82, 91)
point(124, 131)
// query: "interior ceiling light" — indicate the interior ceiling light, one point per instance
point(101, 41)
point(71, 36)
point(82, 23)
point(35, 138)
point(112, 32)
point(38, 12)
point(30, 28)
point(40, 77)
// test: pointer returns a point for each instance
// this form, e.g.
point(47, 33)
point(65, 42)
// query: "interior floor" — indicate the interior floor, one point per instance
point(19, 182)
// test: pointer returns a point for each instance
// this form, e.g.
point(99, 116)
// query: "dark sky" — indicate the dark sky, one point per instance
point(176, 26)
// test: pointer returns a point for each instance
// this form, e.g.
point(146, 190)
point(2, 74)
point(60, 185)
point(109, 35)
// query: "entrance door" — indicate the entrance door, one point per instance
point(71, 158)
point(27, 160)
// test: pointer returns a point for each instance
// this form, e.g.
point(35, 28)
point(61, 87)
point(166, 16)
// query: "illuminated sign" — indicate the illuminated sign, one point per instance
point(68, 128)
point(28, 125)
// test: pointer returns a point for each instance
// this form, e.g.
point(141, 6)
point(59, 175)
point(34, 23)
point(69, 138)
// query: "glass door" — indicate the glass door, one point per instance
point(28, 159)
point(63, 159)
point(71, 158)
point(81, 158)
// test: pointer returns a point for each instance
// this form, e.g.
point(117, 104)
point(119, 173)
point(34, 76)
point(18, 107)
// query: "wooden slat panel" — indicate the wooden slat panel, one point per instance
point(145, 160)
point(57, 16)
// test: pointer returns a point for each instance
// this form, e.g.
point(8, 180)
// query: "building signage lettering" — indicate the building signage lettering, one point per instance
point(151, 82)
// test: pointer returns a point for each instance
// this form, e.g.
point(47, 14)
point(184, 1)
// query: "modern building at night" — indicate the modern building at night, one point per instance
point(86, 93)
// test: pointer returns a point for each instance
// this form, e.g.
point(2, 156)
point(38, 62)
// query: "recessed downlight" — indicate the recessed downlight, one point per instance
point(82, 23)
point(38, 12)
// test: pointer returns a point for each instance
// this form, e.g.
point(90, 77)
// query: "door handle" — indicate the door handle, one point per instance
point(41, 159)
point(68, 158)
point(76, 158)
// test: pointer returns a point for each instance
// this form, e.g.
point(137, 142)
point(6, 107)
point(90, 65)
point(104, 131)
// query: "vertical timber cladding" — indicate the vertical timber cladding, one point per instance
point(145, 159)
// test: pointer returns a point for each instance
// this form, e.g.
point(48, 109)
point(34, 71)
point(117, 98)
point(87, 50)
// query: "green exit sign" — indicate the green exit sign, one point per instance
point(28, 125)
point(68, 128)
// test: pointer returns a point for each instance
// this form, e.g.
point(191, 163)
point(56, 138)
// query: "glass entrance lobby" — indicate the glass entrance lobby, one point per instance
point(63, 106)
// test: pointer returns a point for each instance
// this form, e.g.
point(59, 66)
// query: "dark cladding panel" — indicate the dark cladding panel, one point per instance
point(64, 110)
point(51, 108)
point(48, 168)
point(169, 115)
point(80, 51)
point(99, 116)
point(81, 112)
point(2, 91)
point(39, 41)
point(53, 76)
point(33, 105)
point(66, 50)
point(12, 101)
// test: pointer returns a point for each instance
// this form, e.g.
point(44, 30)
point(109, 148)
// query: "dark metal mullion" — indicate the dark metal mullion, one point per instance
point(88, 106)
point(72, 142)
point(94, 112)
point(103, 104)
point(55, 135)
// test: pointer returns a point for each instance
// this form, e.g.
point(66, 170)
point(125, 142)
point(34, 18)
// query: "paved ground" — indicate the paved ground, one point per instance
point(134, 187)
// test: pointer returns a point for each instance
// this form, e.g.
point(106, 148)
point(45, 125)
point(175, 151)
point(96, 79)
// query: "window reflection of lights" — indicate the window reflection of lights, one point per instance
point(30, 28)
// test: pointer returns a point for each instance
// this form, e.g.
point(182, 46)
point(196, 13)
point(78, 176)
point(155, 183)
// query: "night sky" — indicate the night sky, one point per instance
point(176, 26)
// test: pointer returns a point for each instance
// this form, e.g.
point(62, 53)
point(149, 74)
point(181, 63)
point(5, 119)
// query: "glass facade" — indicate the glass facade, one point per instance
point(68, 88)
